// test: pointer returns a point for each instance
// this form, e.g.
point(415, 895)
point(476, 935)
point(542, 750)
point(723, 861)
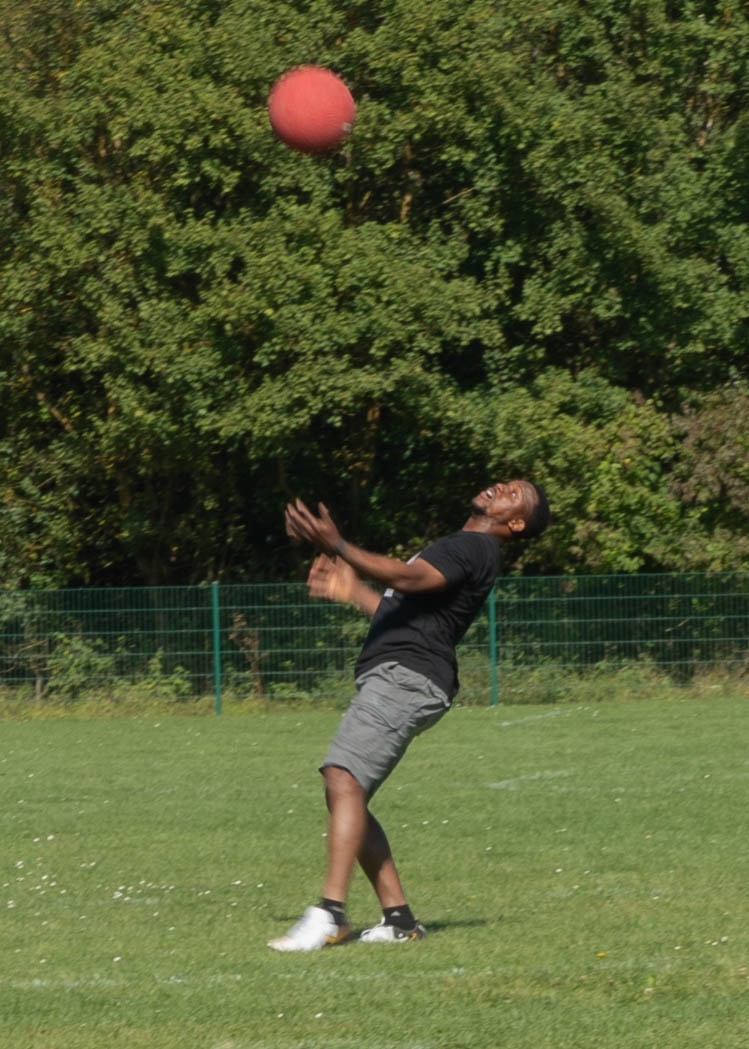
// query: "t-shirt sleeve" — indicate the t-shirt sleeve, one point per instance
point(455, 559)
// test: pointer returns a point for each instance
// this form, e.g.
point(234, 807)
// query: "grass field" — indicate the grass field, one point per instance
point(582, 870)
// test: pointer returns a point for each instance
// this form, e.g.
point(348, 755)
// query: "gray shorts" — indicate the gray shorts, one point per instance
point(392, 705)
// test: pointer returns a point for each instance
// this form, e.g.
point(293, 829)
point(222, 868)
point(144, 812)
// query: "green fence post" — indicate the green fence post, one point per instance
point(494, 670)
point(216, 620)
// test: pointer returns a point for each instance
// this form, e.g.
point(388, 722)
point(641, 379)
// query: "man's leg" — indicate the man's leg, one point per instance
point(377, 862)
point(326, 924)
point(347, 829)
point(398, 924)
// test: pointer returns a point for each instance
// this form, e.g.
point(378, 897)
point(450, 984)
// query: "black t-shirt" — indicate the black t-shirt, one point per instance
point(420, 631)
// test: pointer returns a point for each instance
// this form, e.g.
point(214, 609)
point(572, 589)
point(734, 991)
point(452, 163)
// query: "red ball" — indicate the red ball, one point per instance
point(311, 109)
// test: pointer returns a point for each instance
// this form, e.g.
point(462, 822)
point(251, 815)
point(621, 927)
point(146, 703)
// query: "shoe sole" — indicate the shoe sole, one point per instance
point(410, 937)
point(330, 941)
point(340, 937)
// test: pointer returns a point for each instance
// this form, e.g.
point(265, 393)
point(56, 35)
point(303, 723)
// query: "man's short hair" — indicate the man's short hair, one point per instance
point(538, 519)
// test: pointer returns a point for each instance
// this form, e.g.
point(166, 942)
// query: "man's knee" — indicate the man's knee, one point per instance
point(339, 784)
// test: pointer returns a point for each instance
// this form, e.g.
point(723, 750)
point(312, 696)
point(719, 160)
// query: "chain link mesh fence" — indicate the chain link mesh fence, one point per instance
point(272, 641)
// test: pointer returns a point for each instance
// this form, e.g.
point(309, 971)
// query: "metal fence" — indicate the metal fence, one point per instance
point(177, 643)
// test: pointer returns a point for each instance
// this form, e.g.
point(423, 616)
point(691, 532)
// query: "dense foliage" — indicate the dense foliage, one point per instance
point(532, 256)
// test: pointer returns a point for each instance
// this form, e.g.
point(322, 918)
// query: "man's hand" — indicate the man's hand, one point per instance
point(333, 579)
point(321, 531)
point(414, 576)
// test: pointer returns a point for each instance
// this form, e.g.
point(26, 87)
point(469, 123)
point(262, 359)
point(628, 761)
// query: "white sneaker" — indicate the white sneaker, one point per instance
point(383, 933)
point(315, 929)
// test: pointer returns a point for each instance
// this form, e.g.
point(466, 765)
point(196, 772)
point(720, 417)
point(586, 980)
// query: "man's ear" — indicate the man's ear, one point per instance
point(517, 524)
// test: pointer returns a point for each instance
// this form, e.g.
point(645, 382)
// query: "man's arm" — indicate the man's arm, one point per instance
point(408, 577)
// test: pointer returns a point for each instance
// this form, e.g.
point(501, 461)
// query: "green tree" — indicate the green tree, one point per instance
point(712, 476)
point(541, 213)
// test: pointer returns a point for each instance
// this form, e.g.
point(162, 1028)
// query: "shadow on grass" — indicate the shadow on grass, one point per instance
point(445, 926)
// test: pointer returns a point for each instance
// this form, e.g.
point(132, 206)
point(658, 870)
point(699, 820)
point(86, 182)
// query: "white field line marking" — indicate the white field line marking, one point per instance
point(97, 980)
point(279, 1042)
point(76, 983)
point(536, 717)
point(512, 784)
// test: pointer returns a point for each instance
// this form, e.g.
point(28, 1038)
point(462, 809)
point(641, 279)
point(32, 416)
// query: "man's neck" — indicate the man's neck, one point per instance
point(483, 525)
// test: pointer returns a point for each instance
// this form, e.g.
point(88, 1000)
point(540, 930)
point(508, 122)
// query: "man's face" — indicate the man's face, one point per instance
point(506, 502)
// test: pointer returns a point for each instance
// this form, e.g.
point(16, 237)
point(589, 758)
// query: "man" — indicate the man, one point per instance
point(406, 678)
